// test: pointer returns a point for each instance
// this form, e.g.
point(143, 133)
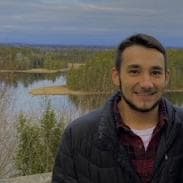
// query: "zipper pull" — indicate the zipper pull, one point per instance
point(166, 157)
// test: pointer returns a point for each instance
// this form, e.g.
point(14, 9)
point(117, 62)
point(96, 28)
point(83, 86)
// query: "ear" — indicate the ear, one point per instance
point(115, 76)
point(167, 77)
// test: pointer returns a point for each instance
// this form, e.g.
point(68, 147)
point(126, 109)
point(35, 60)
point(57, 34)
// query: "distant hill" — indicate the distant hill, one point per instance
point(56, 47)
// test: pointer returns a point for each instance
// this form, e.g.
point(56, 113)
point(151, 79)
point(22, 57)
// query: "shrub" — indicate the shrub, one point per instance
point(38, 143)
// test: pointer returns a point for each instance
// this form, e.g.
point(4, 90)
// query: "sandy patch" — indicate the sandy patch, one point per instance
point(63, 90)
point(60, 90)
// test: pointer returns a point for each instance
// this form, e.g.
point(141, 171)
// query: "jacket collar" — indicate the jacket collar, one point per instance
point(175, 117)
point(107, 140)
point(107, 133)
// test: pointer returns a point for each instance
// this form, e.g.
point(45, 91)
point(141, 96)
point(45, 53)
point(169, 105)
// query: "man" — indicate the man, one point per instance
point(137, 137)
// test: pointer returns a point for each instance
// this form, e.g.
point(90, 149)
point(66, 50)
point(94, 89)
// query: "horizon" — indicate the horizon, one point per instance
point(18, 44)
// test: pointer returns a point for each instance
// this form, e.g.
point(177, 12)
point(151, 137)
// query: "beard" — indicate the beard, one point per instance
point(133, 106)
point(138, 109)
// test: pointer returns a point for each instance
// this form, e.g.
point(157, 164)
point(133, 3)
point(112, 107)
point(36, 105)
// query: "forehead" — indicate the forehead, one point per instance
point(142, 56)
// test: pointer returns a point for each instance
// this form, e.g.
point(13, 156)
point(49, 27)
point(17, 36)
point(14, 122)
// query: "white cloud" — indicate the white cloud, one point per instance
point(117, 9)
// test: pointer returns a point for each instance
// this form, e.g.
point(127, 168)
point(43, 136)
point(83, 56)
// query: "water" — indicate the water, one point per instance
point(74, 106)
point(69, 106)
point(34, 105)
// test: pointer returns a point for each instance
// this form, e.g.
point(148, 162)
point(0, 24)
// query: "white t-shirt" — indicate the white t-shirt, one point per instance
point(145, 135)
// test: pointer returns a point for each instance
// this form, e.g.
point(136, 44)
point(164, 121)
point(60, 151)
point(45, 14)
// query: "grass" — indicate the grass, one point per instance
point(61, 90)
point(64, 90)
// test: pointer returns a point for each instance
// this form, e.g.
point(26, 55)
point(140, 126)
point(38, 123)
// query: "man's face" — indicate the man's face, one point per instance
point(143, 77)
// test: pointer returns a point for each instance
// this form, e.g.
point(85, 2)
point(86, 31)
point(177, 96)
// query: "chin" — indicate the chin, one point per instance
point(146, 107)
point(143, 107)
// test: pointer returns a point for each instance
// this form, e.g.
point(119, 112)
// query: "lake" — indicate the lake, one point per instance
point(19, 86)
point(72, 106)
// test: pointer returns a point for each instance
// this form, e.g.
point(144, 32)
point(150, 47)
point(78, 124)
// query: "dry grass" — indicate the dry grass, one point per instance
point(74, 65)
point(63, 90)
point(60, 90)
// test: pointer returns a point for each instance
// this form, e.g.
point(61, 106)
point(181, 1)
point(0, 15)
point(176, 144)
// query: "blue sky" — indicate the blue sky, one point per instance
point(90, 22)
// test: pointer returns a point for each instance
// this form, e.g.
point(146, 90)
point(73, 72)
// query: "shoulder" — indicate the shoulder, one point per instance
point(179, 112)
point(175, 112)
point(85, 124)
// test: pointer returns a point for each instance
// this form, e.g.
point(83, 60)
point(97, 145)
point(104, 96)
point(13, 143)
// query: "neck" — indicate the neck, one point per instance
point(136, 119)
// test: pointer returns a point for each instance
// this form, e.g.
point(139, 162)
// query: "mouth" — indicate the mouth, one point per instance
point(146, 93)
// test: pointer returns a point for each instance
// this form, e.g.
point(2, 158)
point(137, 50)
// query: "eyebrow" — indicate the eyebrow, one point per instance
point(133, 66)
point(157, 68)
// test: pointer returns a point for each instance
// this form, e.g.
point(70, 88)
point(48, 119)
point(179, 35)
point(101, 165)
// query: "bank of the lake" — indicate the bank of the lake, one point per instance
point(61, 90)
point(37, 71)
point(43, 70)
point(64, 90)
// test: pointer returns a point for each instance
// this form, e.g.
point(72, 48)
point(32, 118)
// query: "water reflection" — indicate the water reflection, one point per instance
point(26, 79)
point(25, 102)
point(88, 102)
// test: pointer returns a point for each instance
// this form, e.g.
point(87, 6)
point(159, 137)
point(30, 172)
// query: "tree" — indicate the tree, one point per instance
point(7, 132)
point(38, 143)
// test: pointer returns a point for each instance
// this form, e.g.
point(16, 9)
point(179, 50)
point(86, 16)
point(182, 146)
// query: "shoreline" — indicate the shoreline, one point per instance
point(64, 90)
point(36, 71)
point(61, 90)
point(43, 70)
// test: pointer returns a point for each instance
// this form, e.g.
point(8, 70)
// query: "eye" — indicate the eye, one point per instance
point(133, 72)
point(156, 73)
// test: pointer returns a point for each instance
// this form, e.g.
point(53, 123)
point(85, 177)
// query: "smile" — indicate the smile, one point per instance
point(145, 94)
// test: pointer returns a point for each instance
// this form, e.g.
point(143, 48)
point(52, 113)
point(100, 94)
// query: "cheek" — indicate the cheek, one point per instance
point(161, 84)
point(127, 88)
point(125, 85)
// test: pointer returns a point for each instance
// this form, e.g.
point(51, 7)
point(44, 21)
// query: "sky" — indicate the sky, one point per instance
point(90, 22)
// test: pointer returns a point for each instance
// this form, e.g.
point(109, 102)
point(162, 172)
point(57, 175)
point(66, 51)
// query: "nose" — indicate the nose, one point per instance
point(146, 82)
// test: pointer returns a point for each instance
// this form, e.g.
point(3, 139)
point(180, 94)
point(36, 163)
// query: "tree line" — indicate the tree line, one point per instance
point(22, 58)
point(96, 74)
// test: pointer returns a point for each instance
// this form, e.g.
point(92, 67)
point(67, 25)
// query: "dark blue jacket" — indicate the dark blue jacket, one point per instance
point(90, 151)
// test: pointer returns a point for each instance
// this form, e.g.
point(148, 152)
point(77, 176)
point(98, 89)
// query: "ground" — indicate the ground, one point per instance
point(60, 90)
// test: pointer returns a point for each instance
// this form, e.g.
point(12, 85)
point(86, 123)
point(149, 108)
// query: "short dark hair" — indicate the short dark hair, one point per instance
point(144, 40)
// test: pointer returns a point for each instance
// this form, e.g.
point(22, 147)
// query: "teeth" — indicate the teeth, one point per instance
point(144, 94)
